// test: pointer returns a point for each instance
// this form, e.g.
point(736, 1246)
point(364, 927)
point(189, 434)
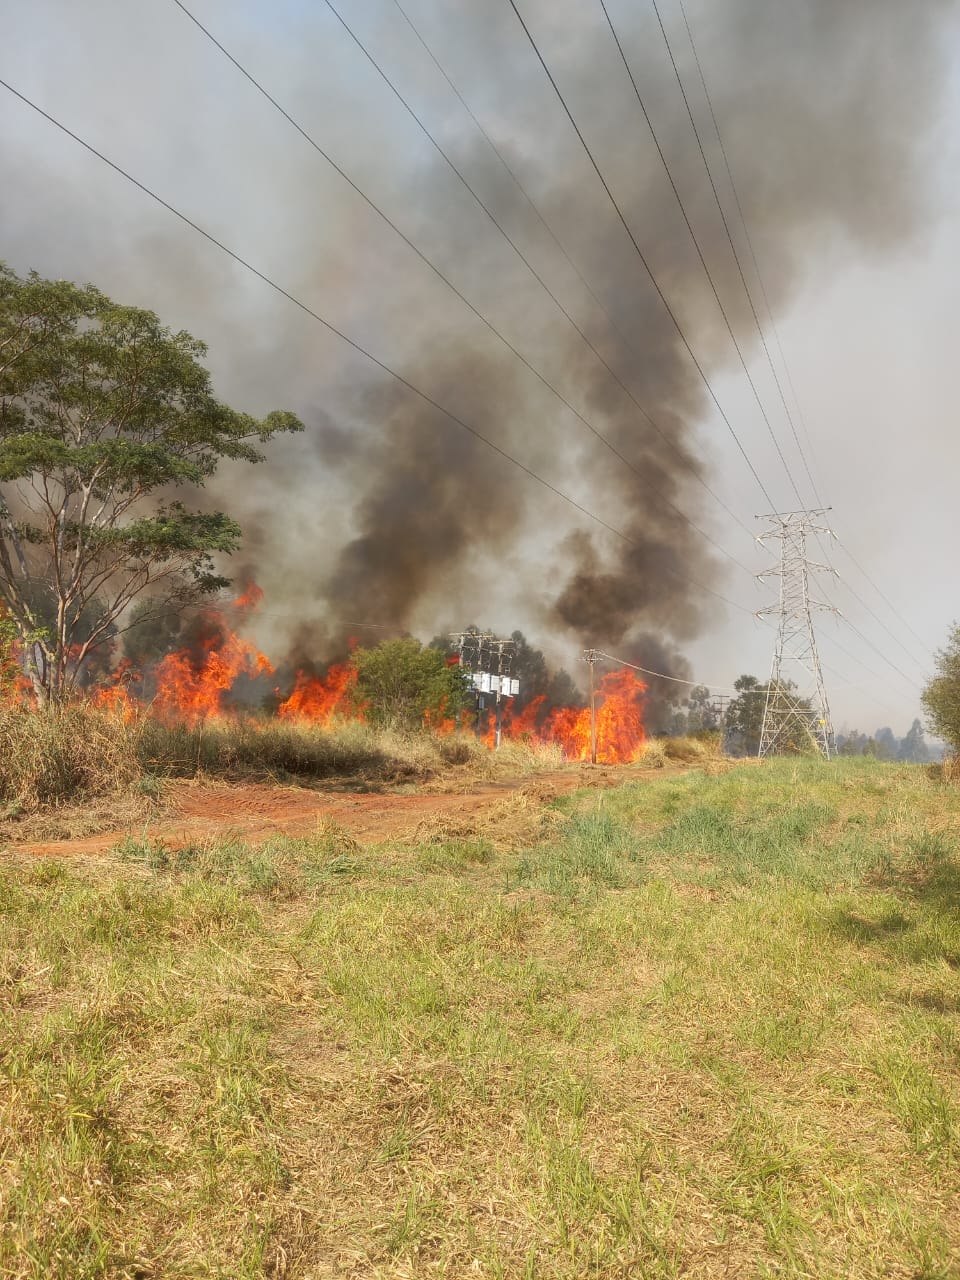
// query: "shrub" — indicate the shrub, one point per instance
point(941, 697)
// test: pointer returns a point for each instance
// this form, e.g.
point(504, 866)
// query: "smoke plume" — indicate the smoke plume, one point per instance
point(387, 512)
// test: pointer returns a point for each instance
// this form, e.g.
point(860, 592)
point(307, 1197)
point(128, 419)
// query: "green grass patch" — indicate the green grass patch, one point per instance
point(709, 1026)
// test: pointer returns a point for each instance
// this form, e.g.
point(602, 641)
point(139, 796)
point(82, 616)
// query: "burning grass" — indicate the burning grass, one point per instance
point(695, 1026)
point(86, 766)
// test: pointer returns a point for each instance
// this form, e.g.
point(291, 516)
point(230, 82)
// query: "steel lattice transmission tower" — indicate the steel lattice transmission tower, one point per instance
point(796, 699)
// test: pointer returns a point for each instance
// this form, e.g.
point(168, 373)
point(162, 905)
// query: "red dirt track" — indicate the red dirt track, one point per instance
point(255, 811)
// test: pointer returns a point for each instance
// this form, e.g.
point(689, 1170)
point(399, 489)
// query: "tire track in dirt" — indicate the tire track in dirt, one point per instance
point(255, 811)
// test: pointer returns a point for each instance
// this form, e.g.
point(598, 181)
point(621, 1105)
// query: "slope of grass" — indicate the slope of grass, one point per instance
point(708, 1026)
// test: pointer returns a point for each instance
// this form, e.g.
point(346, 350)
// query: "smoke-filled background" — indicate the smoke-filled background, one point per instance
point(837, 123)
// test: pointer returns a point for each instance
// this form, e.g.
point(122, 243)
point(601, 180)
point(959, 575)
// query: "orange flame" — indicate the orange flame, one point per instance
point(620, 732)
point(117, 696)
point(15, 685)
point(319, 699)
point(194, 683)
point(191, 686)
point(438, 721)
point(250, 598)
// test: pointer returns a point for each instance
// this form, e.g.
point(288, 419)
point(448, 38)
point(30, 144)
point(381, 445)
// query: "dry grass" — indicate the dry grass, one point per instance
point(67, 753)
point(78, 769)
point(518, 821)
point(701, 1026)
point(696, 749)
point(948, 770)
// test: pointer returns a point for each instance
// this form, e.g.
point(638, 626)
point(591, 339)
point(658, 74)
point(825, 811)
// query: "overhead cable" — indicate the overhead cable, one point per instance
point(643, 476)
point(749, 243)
point(661, 676)
point(696, 241)
point(642, 257)
point(683, 459)
point(357, 346)
point(769, 310)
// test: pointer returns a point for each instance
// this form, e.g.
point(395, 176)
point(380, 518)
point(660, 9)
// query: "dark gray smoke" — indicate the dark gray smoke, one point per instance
point(824, 108)
point(387, 512)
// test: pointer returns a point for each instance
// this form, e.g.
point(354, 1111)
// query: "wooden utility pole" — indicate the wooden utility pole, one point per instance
point(592, 657)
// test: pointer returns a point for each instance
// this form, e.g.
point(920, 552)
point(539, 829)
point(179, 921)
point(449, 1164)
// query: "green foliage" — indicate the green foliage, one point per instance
point(702, 715)
point(744, 719)
point(941, 697)
point(151, 633)
point(912, 748)
point(9, 669)
point(403, 684)
point(101, 409)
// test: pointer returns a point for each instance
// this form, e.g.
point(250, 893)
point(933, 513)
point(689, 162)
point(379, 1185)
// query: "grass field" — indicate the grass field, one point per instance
point(703, 1026)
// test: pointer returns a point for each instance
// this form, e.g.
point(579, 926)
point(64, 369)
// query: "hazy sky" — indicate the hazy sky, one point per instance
point(866, 318)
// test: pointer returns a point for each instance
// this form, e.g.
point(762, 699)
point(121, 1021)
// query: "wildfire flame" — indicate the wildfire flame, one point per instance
point(197, 680)
point(250, 599)
point(117, 696)
point(15, 686)
point(319, 699)
point(191, 686)
point(620, 732)
point(439, 721)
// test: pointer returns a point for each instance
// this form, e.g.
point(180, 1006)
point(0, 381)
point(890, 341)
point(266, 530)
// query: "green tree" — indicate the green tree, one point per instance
point(744, 717)
point(853, 743)
point(941, 697)
point(151, 633)
point(702, 712)
point(913, 746)
point(401, 682)
point(105, 414)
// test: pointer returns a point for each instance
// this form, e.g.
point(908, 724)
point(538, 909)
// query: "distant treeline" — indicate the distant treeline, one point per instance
point(884, 744)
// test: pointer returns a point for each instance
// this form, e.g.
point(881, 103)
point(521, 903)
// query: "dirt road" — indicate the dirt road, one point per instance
point(255, 811)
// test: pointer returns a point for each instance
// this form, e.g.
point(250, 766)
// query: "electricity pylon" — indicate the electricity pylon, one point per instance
point(796, 697)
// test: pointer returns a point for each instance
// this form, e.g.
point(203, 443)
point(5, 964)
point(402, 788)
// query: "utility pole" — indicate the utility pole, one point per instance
point(795, 657)
point(464, 642)
point(504, 657)
point(721, 700)
point(592, 657)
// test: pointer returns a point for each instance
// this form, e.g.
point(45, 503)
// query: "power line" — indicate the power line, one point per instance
point(884, 706)
point(695, 241)
point(715, 688)
point(503, 232)
point(357, 346)
point(641, 475)
point(880, 622)
point(749, 242)
point(852, 656)
point(769, 309)
point(885, 598)
point(736, 258)
point(880, 654)
point(640, 254)
point(693, 234)
point(678, 453)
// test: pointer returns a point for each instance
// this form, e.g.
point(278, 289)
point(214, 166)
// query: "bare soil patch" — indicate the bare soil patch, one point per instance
point(199, 810)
